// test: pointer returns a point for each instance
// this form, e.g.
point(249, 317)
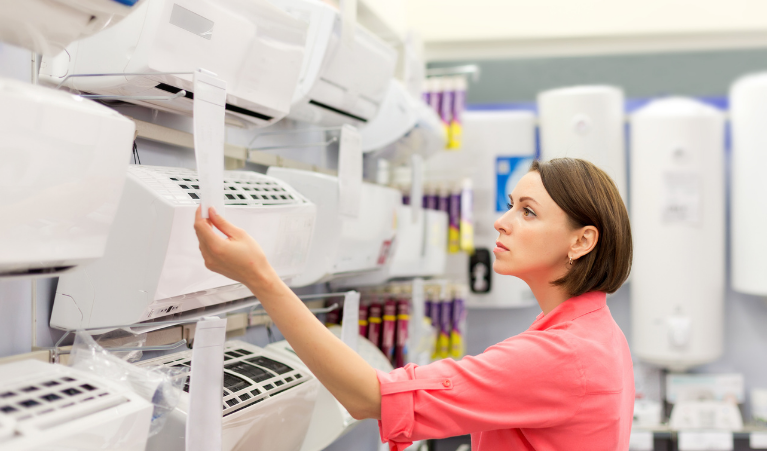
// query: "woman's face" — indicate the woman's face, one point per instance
point(535, 234)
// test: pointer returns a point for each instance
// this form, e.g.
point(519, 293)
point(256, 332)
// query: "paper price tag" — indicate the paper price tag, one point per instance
point(641, 441)
point(350, 323)
point(209, 136)
point(705, 441)
point(349, 171)
point(757, 440)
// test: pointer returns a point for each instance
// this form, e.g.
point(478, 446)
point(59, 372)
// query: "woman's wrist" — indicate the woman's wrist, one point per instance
point(264, 282)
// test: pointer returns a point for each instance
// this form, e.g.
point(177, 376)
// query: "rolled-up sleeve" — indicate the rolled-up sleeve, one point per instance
point(531, 380)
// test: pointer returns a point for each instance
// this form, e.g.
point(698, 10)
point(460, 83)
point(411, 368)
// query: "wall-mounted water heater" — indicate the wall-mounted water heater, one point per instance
point(677, 222)
point(152, 266)
point(45, 407)
point(585, 122)
point(62, 170)
point(748, 113)
point(267, 401)
point(48, 26)
point(344, 77)
point(253, 46)
point(344, 245)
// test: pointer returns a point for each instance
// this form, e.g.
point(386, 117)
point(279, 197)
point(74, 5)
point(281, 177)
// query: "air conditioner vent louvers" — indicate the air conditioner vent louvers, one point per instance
point(182, 186)
point(248, 380)
point(46, 401)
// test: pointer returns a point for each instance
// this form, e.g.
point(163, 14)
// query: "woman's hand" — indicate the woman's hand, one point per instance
point(236, 256)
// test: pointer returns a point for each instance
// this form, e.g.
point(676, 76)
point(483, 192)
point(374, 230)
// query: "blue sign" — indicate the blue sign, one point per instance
point(508, 171)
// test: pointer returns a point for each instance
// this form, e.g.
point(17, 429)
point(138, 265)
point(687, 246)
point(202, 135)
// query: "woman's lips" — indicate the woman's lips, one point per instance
point(499, 247)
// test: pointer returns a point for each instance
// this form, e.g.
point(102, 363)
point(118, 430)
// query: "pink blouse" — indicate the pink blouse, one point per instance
point(565, 383)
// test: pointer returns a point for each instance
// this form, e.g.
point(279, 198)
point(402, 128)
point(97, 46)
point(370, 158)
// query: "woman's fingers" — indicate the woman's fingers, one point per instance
point(205, 233)
point(222, 224)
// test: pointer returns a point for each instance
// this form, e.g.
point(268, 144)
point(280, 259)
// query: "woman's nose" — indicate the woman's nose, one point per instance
point(502, 224)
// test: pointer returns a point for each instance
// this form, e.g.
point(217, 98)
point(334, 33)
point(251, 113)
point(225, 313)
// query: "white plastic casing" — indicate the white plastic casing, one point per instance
point(404, 126)
point(254, 417)
point(748, 113)
point(153, 266)
point(330, 420)
point(62, 169)
point(489, 135)
point(73, 410)
point(344, 245)
point(254, 47)
point(677, 222)
point(585, 122)
point(48, 26)
point(341, 83)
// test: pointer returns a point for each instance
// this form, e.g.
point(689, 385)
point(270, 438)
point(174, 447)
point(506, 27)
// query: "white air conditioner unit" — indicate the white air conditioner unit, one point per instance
point(48, 26)
point(421, 249)
point(153, 267)
point(344, 245)
point(53, 407)
point(341, 82)
point(266, 405)
point(62, 170)
point(253, 46)
point(330, 420)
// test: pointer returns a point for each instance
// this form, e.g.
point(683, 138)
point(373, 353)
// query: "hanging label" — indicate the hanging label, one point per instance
point(348, 21)
point(416, 187)
point(209, 136)
point(508, 172)
point(349, 171)
point(350, 321)
point(705, 441)
point(206, 386)
point(681, 198)
point(641, 441)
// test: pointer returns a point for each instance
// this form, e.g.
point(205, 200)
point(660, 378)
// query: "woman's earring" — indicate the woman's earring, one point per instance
point(571, 262)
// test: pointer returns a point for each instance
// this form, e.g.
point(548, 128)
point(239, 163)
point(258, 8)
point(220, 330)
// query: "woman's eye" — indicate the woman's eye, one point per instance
point(508, 206)
point(528, 212)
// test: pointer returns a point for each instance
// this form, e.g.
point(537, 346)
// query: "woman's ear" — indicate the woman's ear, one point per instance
point(585, 241)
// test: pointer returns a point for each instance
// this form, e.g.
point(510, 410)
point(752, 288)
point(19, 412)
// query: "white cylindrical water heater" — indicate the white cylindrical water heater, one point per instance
point(677, 222)
point(502, 146)
point(585, 122)
point(748, 119)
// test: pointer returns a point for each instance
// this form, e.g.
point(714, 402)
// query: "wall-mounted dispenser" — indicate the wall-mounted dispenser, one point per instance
point(49, 406)
point(344, 245)
point(267, 401)
point(153, 268)
point(341, 82)
point(677, 204)
point(62, 170)
point(253, 46)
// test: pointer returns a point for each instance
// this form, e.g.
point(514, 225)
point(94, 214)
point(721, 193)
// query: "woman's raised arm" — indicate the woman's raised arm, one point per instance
point(351, 380)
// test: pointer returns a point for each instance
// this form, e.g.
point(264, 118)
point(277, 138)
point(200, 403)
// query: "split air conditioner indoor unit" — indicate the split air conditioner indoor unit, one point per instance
point(153, 268)
point(254, 47)
point(62, 170)
point(48, 26)
point(329, 419)
point(266, 405)
point(404, 126)
point(49, 406)
point(344, 245)
point(341, 82)
point(421, 249)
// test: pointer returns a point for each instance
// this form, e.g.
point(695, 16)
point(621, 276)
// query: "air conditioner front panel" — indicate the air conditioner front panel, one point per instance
point(62, 168)
point(267, 401)
point(322, 190)
point(58, 407)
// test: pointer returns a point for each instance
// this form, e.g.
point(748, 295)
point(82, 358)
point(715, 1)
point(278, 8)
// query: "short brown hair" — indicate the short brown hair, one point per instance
point(589, 197)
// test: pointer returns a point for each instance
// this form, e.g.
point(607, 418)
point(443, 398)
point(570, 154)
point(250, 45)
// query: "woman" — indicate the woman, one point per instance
point(564, 384)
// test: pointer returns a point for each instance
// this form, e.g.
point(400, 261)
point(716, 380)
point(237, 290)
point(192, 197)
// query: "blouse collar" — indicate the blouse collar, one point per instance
point(570, 309)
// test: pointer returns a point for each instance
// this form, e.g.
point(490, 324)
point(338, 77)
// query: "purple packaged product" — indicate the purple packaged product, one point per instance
point(435, 101)
point(427, 309)
point(406, 199)
point(431, 202)
point(443, 203)
point(458, 313)
point(435, 313)
point(457, 343)
point(446, 107)
point(454, 224)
